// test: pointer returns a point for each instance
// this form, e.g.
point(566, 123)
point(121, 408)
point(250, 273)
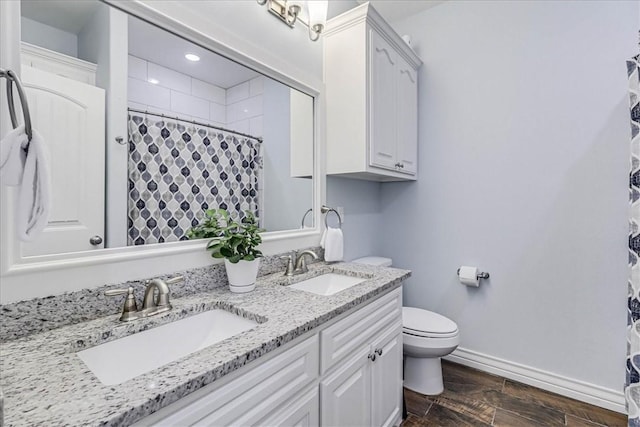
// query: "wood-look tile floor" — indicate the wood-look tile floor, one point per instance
point(474, 398)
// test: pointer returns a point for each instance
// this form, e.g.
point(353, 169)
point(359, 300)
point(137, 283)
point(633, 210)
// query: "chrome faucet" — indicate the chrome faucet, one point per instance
point(152, 304)
point(301, 264)
point(296, 263)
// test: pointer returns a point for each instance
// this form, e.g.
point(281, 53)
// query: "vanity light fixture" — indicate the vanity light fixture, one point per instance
point(192, 57)
point(290, 11)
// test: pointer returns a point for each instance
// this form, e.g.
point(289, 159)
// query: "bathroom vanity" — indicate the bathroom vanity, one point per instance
point(310, 360)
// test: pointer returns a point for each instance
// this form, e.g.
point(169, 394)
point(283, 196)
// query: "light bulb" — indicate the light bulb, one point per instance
point(317, 12)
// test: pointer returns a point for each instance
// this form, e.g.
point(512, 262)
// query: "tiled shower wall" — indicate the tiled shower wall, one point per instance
point(217, 178)
point(176, 94)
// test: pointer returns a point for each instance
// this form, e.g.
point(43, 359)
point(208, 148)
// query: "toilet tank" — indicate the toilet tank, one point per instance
point(374, 260)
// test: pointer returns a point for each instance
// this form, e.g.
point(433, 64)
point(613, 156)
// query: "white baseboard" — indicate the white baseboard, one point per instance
point(579, 390)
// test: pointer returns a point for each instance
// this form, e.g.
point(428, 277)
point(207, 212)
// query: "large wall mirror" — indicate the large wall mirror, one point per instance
point(147, 130)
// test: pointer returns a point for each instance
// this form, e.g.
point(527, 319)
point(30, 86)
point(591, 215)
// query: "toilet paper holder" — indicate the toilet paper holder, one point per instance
point(480, 275)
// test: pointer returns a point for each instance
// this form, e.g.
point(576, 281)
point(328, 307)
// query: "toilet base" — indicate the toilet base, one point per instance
point(423, 375)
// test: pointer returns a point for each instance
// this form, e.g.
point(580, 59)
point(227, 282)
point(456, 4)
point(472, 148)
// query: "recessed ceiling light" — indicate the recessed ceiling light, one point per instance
point(154, 81)
point(192, 57)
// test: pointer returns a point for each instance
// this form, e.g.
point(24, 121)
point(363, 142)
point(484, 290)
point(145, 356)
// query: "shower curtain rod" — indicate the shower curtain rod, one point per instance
point(195, 122)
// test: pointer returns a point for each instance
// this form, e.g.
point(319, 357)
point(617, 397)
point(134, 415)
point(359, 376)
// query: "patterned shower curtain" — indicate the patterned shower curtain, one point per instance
point(177, 170)
point(632, 389)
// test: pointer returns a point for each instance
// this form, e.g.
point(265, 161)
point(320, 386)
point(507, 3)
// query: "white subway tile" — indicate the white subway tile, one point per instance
point(208, 91)
point(255, 126)
point(256, 86)
point(217, 112)
point(137, 106)
point(187, 104)
point(245, 109)
point(137, 68)
point(169, 78)
point(149, 94)
point(167, 113)
point(238, 93)
point(240, 126)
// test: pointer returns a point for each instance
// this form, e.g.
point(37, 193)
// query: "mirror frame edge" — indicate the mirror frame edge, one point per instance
point(22, 278)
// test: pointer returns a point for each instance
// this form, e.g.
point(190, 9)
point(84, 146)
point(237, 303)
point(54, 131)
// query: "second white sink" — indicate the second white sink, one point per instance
point(118, 361)
point(328, 284)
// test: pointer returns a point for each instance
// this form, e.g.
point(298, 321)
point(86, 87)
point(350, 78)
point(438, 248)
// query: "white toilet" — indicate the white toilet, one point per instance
point(426, 336)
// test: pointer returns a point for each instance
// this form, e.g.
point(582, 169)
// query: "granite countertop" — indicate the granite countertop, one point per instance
point(45, 382)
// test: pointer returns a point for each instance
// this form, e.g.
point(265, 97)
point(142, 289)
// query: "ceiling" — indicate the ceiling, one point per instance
point(393, 10)
point(156, 45)
point(145, 41)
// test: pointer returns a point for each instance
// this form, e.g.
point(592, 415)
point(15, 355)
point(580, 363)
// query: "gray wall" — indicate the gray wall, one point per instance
point(524, 141)
point(286, 198)
point(48, 37)
point(362, 212)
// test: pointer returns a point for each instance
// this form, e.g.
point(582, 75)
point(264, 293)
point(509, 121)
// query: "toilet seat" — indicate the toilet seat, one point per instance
point(424, 323)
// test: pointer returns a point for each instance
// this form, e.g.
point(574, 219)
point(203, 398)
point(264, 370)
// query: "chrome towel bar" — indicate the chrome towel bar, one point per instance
point(11, 79)
point(326, 210)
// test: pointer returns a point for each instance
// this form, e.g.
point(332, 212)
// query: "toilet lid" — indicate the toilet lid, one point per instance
point(416, 321)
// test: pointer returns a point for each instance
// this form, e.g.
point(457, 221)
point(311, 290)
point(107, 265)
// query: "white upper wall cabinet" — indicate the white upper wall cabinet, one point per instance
point(372, 99)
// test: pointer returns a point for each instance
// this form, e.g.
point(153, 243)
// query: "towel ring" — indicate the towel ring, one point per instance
point(13, 78)
point(305, 216)
point(326, 210)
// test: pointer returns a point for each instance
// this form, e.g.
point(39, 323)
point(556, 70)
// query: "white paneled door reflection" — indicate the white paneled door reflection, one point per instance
point(70, 117)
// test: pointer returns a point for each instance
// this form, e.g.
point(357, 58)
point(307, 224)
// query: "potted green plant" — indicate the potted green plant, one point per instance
point(234, 241)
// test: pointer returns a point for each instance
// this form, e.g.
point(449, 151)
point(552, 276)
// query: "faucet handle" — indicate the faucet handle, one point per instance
point(174, 280)
point(130, 308)
point(289, 270)
point(116, 292)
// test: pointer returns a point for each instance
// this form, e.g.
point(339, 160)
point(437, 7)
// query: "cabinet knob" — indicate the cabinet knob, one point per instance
point(95, 240)
point(379, 351)
point(372, 357)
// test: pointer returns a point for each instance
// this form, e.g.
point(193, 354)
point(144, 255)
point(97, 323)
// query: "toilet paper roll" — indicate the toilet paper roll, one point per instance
point(469, 276)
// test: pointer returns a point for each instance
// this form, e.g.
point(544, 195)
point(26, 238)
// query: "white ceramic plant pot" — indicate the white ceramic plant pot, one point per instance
point(242, 275)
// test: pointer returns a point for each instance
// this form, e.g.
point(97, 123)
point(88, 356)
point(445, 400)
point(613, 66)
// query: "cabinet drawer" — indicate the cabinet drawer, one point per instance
point(245, 400)
point(302, 412)
point(344, 337)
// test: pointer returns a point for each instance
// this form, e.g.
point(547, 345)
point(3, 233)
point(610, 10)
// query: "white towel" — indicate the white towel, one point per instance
point(28, 171)
point(332, 242)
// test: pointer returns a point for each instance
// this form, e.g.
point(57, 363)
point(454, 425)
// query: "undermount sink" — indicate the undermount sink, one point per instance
point(123, 359)
point(328, 284)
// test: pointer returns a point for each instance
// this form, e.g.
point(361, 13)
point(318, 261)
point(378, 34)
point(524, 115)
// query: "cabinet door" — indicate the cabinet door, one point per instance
point(407, 116)
point(382, 102)
point(70, 117)
point(386, 374)
point(346, 394)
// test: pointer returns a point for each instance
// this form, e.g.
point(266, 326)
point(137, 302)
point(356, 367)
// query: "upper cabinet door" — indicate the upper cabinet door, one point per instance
point(382, 101)
point(407, 117)
point(70, 117)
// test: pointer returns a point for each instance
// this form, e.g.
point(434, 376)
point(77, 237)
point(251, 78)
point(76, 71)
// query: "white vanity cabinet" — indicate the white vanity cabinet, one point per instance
point(330, 378)
point(361, 357)
point(372, 99)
